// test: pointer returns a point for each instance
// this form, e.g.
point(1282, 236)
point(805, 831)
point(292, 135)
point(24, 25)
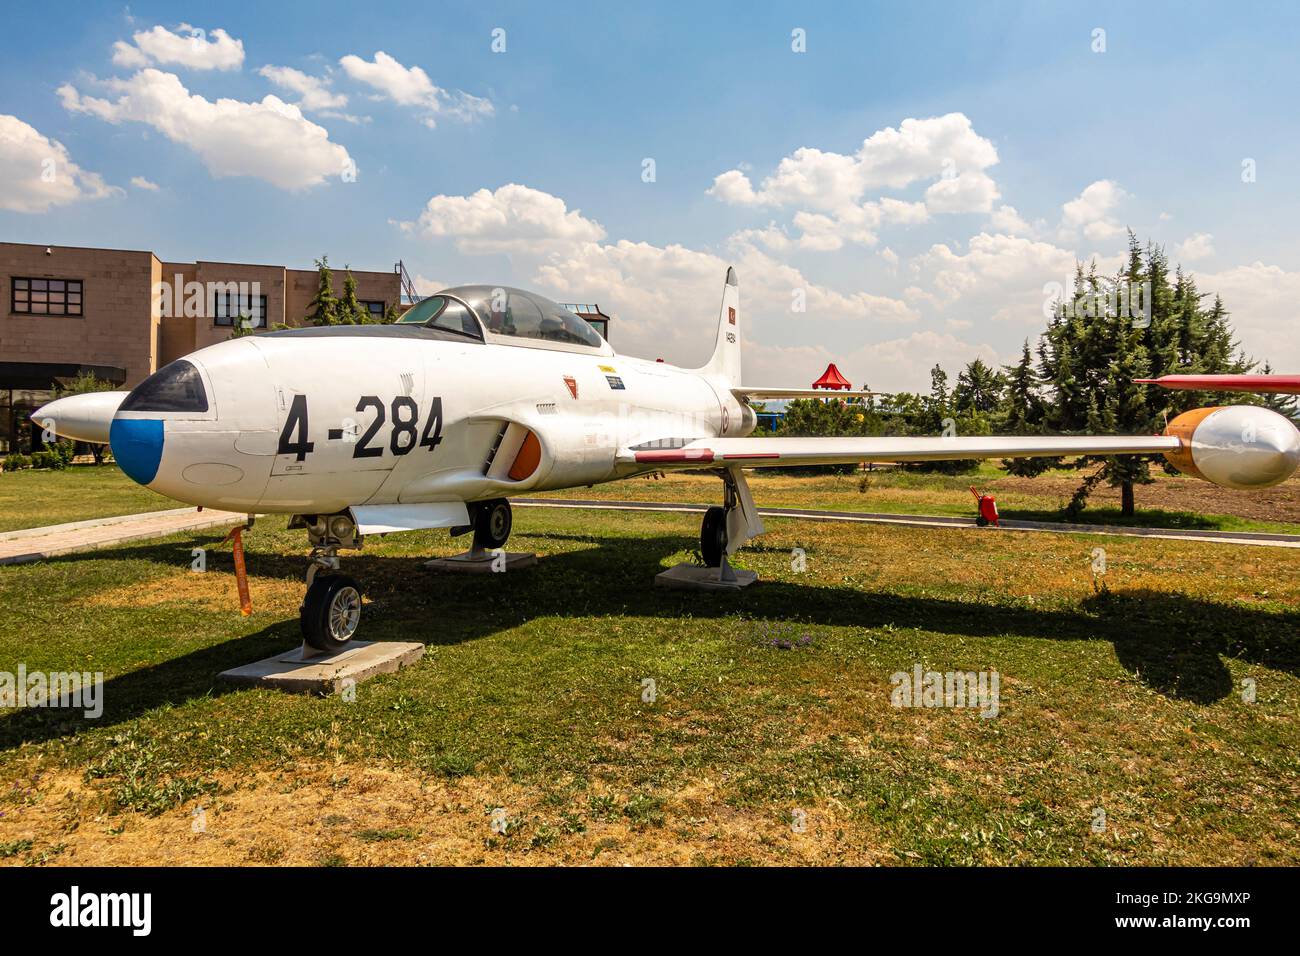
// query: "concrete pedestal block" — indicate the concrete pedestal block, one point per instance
point(302, 671)
point(693, 577)
point(483, 562)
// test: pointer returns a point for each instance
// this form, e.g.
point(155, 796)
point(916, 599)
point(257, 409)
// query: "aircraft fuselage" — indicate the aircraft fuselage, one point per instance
point(322, 420)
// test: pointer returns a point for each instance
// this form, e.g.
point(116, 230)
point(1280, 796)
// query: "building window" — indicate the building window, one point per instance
point(228, 307)
point(375, 308)
point(45, 296)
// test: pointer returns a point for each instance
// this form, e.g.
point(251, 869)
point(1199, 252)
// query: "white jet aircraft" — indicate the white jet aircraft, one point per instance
point(479, 393)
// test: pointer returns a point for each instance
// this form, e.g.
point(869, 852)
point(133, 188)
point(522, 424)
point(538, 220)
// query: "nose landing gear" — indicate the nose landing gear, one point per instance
point(331, 609)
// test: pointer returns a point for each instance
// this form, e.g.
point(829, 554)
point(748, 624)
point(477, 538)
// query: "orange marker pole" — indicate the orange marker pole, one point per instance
point(241, 573)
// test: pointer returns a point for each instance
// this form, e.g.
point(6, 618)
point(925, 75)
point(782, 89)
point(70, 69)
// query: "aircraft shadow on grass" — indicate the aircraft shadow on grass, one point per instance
point(1173, 643)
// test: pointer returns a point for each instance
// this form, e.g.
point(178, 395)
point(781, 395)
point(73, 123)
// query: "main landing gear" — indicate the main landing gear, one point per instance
point(491, 521)
point(713, 529)
point(331, 609)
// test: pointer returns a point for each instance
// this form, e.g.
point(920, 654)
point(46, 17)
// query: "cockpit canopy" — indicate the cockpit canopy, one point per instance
point(505, 314)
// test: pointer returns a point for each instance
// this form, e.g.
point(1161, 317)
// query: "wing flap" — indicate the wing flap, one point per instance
point(771, 452)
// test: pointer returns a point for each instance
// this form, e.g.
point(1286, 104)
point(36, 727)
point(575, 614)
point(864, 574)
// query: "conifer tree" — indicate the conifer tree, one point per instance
point(351, 312)
point(324, 306)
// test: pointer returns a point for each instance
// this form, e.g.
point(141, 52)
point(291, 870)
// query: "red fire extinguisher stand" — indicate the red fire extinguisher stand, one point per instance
point(988, 509)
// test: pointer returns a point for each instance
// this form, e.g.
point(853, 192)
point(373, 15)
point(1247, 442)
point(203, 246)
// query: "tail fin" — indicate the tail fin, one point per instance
point(726, 350)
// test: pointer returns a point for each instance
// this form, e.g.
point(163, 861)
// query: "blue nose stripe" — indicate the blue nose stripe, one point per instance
point(137, 445)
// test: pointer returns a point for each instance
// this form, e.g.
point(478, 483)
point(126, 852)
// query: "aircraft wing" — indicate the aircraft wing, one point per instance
point(775, 452)
point(758, 393)
point(1274, 384)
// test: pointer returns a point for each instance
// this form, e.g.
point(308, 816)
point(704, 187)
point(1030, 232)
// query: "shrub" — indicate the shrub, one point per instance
point(65, 450)
point(48, 459)
point(16, 461)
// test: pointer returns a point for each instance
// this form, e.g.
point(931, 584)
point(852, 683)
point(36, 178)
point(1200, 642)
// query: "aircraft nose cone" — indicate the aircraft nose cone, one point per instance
point(86, 417)
point(137, 445)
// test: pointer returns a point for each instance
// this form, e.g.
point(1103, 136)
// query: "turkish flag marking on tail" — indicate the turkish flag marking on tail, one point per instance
point(572, 382)
point(731, 316)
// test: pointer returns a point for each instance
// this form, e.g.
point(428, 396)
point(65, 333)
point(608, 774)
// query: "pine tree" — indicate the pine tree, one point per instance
point(1022, 413)
point(351, 312)
point(324, 307)
point(979, 389)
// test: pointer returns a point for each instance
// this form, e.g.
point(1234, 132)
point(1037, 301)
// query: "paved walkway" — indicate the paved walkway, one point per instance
point(33, 544)
point(1255, 538)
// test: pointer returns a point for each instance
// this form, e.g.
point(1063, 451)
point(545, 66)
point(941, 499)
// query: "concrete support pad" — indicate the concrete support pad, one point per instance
point(301, 673)
point(483, 562)
point(693, 577)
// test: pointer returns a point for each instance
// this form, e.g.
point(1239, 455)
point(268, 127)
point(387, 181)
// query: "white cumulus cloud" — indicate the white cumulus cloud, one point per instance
point(513, 217)
point(1199, 245)
point(1092, 211)
point(411, 86)
point(36, 172)
point(269, 140)
point(919, 149)
point(314, 91)
point(187, 46)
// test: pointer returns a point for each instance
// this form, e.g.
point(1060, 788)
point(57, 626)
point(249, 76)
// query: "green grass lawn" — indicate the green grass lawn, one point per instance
point(35, 498)
point(922, 493)
point(30, 499)
point(529, 705)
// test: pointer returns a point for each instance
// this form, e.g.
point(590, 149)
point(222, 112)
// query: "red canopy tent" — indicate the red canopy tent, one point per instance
point(832, 379)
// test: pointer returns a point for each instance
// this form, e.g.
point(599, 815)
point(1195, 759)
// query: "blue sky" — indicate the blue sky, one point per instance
point(162, 140)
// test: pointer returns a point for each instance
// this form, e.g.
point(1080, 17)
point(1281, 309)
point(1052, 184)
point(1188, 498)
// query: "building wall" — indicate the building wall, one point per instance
point(178, 332)
point(269, 281)
point(125, 325)
point(117, 327)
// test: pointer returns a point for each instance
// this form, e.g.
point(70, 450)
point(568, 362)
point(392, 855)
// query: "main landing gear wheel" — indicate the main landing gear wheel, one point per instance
point(331, 612)
point(713, 536)
point(492, 521)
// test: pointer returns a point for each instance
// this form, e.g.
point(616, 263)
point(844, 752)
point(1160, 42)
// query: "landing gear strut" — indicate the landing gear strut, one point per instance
point(331, 609)
point(713, 529)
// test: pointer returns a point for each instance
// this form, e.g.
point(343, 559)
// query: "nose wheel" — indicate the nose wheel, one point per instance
point(330, 612)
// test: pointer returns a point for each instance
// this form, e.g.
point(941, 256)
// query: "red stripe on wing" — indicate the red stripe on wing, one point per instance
point(670, 455)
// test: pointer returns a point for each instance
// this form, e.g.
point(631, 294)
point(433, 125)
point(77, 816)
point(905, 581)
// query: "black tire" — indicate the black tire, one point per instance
point(713, 536)
point(492, 521)
point(330, 612)
point(981, 521)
